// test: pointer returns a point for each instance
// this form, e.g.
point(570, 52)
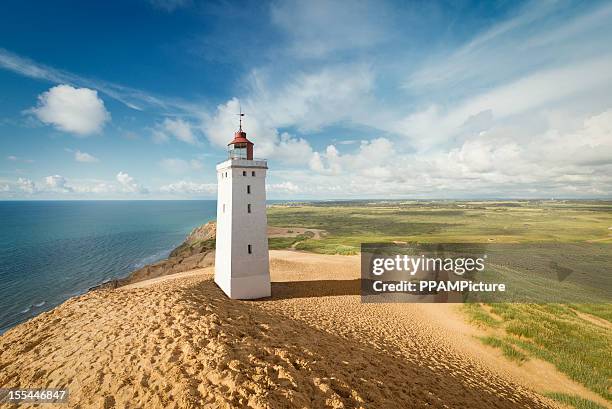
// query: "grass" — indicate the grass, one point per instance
point(351, 223)
point(189, 248)
point(507, 348)
point(554, 333)
point(598, 310)
point(557, 333)
point(574, 401)
point(479, 316)
point(327, 248)
point(279, 243)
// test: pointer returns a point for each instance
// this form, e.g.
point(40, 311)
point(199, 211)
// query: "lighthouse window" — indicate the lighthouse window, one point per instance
point(253, 173)
point(250, 249)
point(249, 208)
point(223, 207)
point(244, 173)
point(248, 189)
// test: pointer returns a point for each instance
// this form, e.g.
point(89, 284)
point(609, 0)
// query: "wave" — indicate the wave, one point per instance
point(35, 305)
point(151, 259)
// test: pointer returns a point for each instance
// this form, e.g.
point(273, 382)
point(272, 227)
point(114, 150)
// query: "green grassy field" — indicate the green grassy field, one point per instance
point(576, 338)
point(350, 224)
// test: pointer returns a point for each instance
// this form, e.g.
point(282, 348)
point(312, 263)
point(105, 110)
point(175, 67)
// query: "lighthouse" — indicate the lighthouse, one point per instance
point(242, 268)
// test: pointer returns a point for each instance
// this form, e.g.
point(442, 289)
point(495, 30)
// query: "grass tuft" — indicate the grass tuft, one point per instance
point(479, 316)
point(574, 401)
point(507, 349)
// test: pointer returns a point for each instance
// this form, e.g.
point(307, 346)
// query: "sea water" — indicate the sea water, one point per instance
point(53, 250)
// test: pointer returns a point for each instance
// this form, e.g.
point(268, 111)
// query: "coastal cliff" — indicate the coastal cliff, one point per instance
point(197, 251)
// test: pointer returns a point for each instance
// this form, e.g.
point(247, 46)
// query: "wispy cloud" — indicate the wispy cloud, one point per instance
point(131, 97)
point(85, 157)
point(316, 29)
point(541, 35)
point(170, 5)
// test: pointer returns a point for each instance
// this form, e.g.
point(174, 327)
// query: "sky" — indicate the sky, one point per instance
point(346, 99)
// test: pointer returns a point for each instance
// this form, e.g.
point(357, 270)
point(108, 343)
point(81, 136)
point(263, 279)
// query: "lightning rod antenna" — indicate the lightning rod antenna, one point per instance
point(240, 115)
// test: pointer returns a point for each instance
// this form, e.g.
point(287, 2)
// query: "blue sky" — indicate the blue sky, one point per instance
point(356, 99)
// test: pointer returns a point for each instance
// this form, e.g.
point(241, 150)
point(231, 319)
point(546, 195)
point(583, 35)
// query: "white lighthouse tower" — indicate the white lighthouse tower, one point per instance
point(241, 259)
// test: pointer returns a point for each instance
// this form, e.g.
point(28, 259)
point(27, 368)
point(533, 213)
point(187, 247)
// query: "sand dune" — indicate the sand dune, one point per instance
point(178, 342)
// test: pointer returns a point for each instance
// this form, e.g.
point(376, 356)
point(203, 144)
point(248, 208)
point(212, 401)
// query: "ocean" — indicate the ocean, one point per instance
point(53, 250)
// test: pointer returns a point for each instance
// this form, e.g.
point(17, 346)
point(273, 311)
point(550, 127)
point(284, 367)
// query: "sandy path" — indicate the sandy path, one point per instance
point(177, 341)
point(444, 323)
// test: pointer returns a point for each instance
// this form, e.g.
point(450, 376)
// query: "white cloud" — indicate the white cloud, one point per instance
point(14, 158)
point(96, 187)
point(26, 185)
point(57, 183)
point(190, 188)
point(180, 129)
point(492, 164)
point(283, 188)
point(75, 110)
point(174, 165)
point(159, 136)
point(178, 166)
point(309, 101)
point(525, 96)
point(177, 128)
point(196, 164)
point(129, 185)
point(285, 148)
point(103, 188)
point(84, 157)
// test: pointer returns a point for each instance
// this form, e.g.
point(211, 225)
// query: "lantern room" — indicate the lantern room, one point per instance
point(240, 147)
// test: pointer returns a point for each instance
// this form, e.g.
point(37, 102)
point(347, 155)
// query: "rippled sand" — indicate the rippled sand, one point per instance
point(178, 342)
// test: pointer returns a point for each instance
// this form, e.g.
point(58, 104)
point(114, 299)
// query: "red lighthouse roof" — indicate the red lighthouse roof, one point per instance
point(240, 137)
point(240, 147)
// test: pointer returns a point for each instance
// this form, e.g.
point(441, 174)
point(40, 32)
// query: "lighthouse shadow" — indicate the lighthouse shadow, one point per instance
point(315, 288)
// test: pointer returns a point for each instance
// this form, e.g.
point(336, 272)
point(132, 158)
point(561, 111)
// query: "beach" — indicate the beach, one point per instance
point(178, 341)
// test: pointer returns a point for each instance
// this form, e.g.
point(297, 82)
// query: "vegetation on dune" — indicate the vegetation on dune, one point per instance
point(555, 333)
point(602, 311)
point(507, 348)
point(480, 317)
point(574, 401)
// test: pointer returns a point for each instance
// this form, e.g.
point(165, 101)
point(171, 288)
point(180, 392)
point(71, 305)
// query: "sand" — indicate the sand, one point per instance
point(178, 342)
